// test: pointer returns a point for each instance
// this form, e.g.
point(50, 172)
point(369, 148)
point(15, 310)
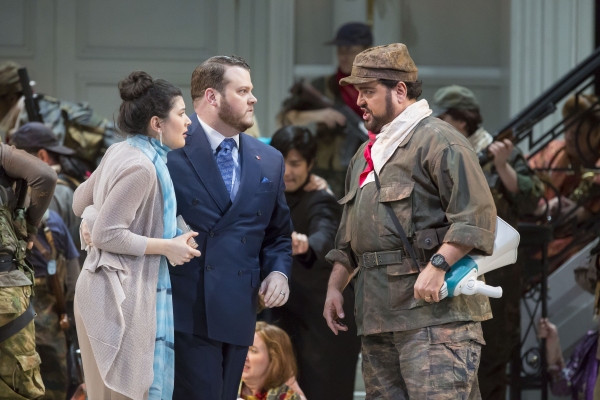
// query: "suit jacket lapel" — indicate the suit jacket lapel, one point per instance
point(249, 181)
point(200, 154)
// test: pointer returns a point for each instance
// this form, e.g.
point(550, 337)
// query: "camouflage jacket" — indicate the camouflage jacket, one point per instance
point(432, 181)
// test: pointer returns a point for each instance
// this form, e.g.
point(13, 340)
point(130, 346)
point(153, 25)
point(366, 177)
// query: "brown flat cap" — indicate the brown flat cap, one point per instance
point(391, 61)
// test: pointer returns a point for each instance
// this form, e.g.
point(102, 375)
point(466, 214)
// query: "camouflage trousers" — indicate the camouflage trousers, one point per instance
point(19, 362)
point(437, 362)
point(51, 345)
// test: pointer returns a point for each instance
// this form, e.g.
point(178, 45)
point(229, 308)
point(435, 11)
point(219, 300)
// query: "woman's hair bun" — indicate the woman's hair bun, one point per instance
point(135, 85)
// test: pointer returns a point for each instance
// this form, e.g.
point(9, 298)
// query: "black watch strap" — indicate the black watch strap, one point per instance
point(439, 261)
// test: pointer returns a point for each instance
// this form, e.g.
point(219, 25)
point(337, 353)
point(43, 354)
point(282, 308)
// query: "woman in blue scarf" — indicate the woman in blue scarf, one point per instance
point(123, 307)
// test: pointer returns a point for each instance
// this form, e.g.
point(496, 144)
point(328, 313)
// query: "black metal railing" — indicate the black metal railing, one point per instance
point(528, 366)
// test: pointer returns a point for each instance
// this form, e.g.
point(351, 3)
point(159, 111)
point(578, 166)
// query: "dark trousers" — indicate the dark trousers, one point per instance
point(206, 369)
point(501, 333)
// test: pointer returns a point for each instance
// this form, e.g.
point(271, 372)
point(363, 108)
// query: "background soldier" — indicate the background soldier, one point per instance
point(516, 190)
point(38, 140)
point(334, 146)
point(432, 189)
point(19, 362)
point(55, 261)
point(75, 125)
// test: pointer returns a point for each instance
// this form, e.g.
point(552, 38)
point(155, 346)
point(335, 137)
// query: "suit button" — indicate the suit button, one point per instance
point(258, 213)
point(211, 234)
point(243, 240)
point(194, 202)
point(240, 273)
point(208, 267)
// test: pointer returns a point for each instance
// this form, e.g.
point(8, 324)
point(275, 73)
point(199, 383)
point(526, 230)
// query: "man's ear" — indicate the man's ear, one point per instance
point(42, 154)
point(401, 92)
point(212, 96)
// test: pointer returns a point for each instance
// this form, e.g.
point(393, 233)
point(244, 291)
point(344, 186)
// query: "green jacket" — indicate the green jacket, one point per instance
point(433, 181)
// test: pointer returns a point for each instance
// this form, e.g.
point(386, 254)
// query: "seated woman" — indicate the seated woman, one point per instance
point(270, 368)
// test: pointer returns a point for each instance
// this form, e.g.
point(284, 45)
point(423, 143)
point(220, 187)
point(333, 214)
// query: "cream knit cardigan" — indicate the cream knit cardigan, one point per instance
point(116, 291)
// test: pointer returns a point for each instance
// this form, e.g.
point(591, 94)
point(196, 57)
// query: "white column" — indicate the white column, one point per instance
point(548, 38)
point(265, 37)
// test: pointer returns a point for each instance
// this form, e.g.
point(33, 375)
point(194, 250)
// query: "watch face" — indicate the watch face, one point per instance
point(437, 260)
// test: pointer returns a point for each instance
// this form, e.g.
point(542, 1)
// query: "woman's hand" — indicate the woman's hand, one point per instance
point(85, 232)
point(548, 331)
point(178, 252)
point(299, 243)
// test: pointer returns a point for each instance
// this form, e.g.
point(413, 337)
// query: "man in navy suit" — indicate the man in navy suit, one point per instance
point(229, 189)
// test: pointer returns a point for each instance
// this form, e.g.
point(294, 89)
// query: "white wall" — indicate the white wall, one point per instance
point(507, 51)
point(548, 38)
point(463, 42)
point(78, 50)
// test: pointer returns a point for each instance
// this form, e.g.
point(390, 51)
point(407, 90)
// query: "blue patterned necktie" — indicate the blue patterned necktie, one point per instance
point(225, 162)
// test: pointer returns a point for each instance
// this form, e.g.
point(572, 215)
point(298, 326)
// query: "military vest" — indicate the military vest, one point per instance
point(13, 226)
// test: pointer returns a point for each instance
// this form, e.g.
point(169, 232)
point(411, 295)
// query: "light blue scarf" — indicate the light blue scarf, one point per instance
point(164, 356)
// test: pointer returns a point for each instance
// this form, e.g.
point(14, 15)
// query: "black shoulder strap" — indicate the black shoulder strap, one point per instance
point(407, 246)
point(16, 325)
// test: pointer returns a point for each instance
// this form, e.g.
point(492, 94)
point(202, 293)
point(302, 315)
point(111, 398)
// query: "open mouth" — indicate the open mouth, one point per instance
point(366, 113)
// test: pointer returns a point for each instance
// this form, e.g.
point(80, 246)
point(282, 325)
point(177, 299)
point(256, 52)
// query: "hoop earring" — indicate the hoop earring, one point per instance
point(160, 137)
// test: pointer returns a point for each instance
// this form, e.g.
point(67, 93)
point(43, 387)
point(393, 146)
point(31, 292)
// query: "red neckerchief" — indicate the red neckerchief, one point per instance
point(349, 94)
point(369, 167)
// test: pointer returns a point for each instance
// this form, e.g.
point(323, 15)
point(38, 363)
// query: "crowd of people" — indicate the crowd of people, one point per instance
point(154, 256)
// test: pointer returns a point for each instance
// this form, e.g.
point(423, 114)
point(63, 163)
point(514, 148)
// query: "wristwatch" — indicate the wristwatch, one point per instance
point(438, 261)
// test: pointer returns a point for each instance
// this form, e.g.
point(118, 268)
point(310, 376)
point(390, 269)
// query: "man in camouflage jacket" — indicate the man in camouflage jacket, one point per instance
point(414, 345)
point(19, 362)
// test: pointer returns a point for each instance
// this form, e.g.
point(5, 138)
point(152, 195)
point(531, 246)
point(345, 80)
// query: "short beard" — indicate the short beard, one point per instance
point(235, 121)
point(378, 122)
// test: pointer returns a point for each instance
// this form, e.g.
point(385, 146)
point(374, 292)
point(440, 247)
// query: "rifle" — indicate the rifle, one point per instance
point(306, 97)
point(485, 156)
point(307, 93)
point(31, 105)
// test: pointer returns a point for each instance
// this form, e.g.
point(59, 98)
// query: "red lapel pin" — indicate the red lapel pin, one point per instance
point(257, 157)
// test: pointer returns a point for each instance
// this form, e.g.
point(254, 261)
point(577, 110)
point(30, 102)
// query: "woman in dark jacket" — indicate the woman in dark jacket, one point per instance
point(326, 363)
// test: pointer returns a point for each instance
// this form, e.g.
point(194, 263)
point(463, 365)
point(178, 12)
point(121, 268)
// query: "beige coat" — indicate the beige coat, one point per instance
point(116, 292)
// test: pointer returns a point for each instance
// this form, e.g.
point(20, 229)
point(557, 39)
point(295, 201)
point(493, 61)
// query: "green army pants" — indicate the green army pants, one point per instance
point(51, 344)
point(19, 362)
point(437, 362)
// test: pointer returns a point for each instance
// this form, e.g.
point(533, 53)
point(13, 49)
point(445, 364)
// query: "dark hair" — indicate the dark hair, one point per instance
point(413, 89)
point(295, 138)
point(144, 98)
point(472, 118)
point(34, 150)
point(210, 74)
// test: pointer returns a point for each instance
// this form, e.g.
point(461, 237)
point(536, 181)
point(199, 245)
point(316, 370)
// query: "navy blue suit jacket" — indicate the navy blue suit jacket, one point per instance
point(215, 295)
